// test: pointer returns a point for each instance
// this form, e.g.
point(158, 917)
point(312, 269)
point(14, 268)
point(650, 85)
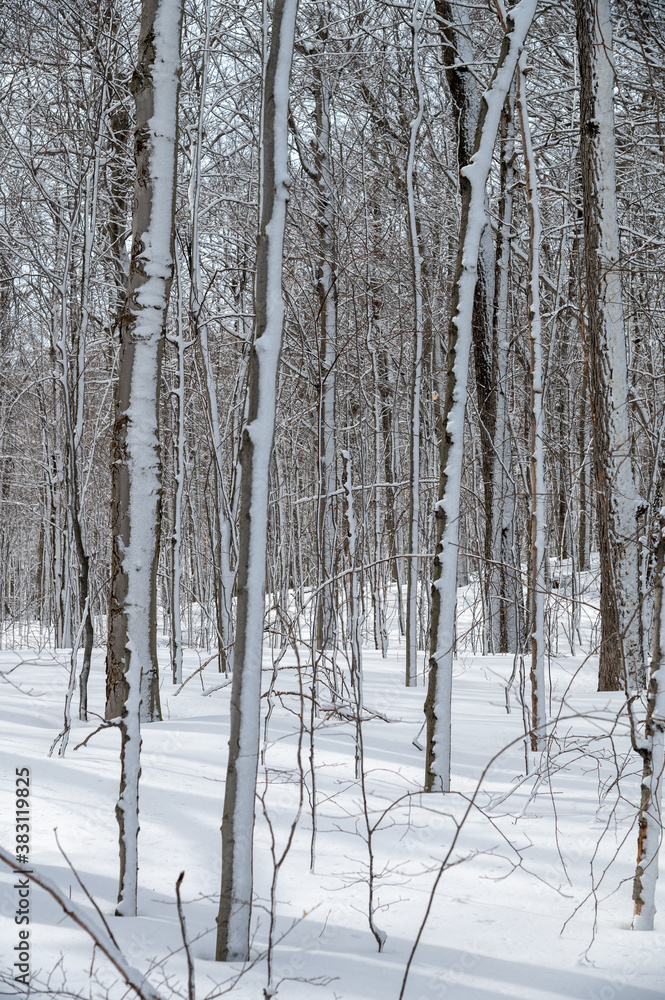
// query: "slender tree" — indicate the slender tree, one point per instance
point(537, 462)
point(620, 658)
point(472, 224)
point(327, 344)
point(233, 920)
point(417, 363)
point(652, 750)
point(505, 602)
point(465, 91)
point(222, 522)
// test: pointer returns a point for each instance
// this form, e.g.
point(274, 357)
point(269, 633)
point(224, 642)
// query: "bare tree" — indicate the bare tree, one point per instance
point(652, 750)
point(417, 363)
point(620, 656)
point(327, 351)
point(537, 463)
point(233, 920)
point(132, 680)
point(472, 224)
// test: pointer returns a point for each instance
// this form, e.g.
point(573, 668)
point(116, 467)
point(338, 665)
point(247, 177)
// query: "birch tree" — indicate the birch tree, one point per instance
point(444, 585)
point(136, 484)
point(233, 920)
point(652, 751)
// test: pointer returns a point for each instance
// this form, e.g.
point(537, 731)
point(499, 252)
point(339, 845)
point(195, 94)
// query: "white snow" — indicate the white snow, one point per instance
point(498, 922)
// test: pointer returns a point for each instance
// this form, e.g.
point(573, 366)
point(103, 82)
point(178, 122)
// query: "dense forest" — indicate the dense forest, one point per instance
point(333, 336)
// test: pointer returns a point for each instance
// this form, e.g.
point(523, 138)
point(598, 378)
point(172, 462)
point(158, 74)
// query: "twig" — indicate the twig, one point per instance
point(181, 917)
point(84, 887)
point(111, 724)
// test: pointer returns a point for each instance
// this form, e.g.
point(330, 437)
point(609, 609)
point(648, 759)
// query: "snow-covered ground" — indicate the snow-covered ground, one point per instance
point(534, 901)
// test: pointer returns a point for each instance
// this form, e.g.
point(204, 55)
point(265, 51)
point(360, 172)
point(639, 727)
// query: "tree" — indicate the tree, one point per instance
point(233, 920)
point(537, 463)
point(505, 597)
point(417, 365)
point(444, 585)
point(620, 654)
point(222, 526)
point(458, 57)
point(132, 681)
point(652, 751)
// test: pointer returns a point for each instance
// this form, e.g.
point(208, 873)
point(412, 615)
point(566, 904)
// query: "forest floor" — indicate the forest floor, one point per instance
point(534, 901)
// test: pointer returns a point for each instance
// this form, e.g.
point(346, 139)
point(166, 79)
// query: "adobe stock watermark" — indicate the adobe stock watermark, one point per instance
point(21, 965)
point(650, 946)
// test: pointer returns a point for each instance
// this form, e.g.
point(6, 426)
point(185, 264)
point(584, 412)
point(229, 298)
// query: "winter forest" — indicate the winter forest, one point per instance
point(332, 461)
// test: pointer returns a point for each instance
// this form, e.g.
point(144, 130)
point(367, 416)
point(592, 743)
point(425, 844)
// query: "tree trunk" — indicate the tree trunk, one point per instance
point(416, 368)
point(233, 920)
point(537, 465)
point(505, 583)
point(131, 662)
point(608, 377)
point(458, 58)
point(353, 619)
point(652, 750)
point(327, 289)
point(179, 476)
point(222, 526)
point(460, 333)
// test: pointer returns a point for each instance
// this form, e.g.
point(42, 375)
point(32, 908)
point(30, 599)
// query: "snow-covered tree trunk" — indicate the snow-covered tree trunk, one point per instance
point(620, 660)
point(233, 920)
point(472, 224)
point(179, 476)
point(537, 464)
point(650, 821)
point(458, 58)
point(132, 681)
point(416, 365)
point(499, 575)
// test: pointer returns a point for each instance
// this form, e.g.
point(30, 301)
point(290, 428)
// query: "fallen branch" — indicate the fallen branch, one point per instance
point(100, 935)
